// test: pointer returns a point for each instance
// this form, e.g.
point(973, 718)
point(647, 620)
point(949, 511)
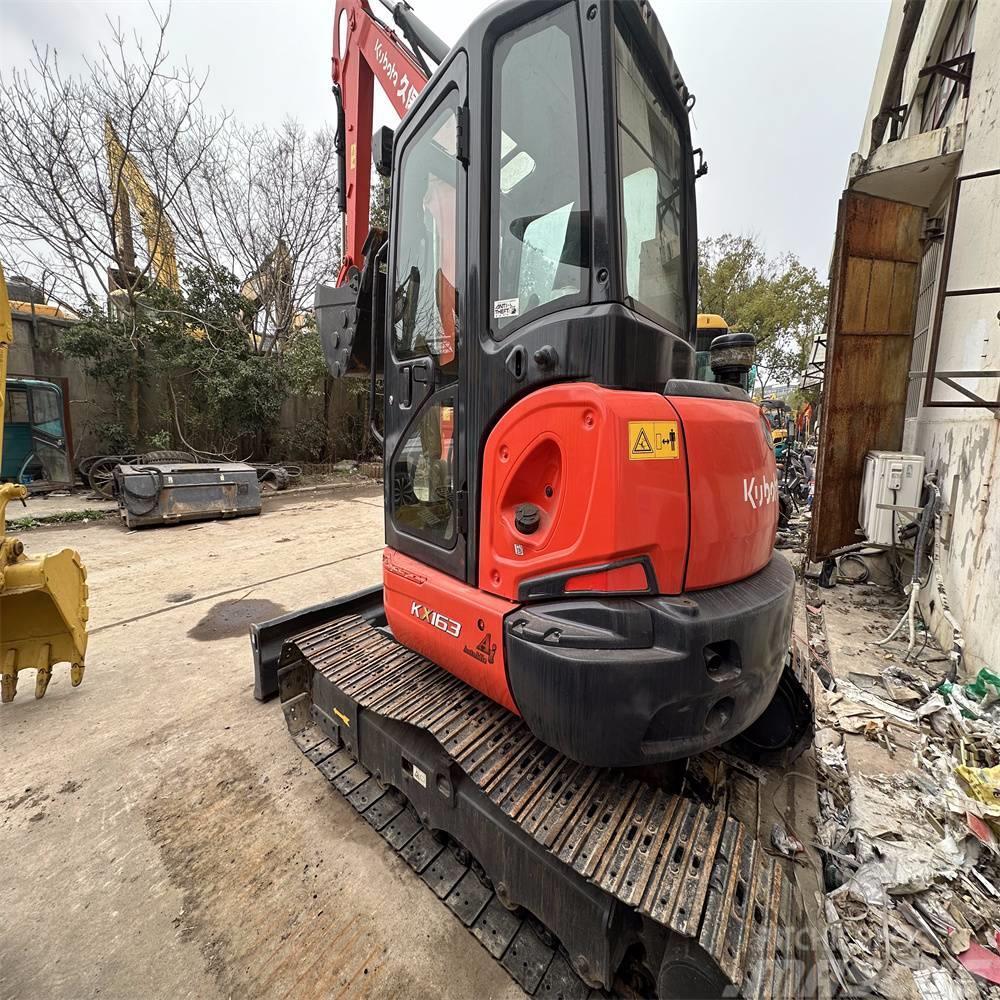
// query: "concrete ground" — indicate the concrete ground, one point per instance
point(41, 505)
point(161, 834)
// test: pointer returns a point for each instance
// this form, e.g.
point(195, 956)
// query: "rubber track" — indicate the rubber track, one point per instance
point(538, 968)
point(691, 868)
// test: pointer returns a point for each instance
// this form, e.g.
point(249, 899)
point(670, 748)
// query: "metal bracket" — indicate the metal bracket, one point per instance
point(898, 506)
point(958, 69)
point(896, 117)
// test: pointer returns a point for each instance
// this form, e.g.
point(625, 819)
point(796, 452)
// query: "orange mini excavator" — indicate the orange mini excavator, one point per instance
point(579, 584)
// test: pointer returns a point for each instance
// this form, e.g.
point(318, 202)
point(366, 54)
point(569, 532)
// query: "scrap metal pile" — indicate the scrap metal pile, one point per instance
point(909, 793)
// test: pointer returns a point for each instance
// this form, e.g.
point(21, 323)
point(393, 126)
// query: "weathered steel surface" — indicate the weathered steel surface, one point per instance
point(692, 869)
point(872, 307)
point(171, 492)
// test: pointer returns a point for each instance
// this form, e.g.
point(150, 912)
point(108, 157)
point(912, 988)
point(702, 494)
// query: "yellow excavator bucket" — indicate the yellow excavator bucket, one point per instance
point(43, 599)
point(43, 618)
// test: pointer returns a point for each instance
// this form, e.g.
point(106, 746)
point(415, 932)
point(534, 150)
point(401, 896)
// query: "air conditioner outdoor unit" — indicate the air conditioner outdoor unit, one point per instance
point(890, 477)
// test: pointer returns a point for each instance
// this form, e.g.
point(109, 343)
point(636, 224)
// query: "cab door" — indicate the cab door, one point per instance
point(36, 449)
point(425, 474)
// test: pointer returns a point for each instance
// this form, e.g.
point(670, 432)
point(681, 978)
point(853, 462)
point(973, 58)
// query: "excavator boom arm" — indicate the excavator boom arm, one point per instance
point(128, 185)
point(366, 50)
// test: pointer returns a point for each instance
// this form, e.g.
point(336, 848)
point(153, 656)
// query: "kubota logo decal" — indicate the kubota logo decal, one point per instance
point(435, 618)
point(405, 90)
point(757, 494)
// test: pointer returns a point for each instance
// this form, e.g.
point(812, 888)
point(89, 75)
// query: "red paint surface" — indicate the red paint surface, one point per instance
point(407, 582)
point(981, 962)
point(573, 441)
point(729, 458)
point(622, 580)
point(604, 508)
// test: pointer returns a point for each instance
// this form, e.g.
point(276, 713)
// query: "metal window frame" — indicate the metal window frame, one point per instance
point(932, 374)
point(957, 69)
point(815, 371)
point(932, 245)
point(954, 61)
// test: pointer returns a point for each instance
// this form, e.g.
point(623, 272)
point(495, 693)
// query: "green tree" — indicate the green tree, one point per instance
point(779, 300)
point(222, 388)
point(379, 212)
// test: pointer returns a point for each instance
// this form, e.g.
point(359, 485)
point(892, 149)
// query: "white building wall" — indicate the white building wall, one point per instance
point(963, 445)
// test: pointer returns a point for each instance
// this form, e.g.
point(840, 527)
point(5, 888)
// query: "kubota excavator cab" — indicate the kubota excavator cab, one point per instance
point(577, 531)
point(574, 525)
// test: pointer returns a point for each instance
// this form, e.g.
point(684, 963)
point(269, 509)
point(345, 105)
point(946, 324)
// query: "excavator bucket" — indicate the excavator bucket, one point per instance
point(43, 619)
point(43, 599)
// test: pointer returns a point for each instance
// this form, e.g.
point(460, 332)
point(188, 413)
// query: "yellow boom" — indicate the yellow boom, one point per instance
point(128, 186)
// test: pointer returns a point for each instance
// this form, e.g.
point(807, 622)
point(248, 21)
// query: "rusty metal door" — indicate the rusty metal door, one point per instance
point(873, 298)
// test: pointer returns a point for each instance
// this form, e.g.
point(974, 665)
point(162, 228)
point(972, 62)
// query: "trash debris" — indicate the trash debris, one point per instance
point(959, 940)
point(981, 830)
point(983, 783)
point(854, 693)
point(981, 962)
point(910, 839)
point(968, 699)
point(985, 688)
point(936, 984)
point(785, 843)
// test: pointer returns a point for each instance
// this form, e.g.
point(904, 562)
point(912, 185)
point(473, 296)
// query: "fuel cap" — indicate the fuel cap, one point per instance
point(527, 518)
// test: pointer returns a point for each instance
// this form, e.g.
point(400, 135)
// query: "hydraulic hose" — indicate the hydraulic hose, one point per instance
point(151, 500)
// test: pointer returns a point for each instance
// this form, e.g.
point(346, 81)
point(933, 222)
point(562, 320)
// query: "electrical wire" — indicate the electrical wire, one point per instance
point(855, 557)
point(928, 516)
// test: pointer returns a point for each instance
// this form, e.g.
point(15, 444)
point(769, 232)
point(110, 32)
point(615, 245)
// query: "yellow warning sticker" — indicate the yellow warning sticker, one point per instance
point(650, 440)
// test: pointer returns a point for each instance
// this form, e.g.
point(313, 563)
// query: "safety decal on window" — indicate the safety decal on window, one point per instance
point(652, 439)
point(505, 308)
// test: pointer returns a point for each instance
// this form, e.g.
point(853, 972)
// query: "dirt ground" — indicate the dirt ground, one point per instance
point(162, 836)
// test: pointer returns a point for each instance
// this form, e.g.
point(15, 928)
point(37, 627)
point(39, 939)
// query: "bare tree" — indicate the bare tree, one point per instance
point(779, 300)
point(263, 205)
point(115, 181)
point(74, 150)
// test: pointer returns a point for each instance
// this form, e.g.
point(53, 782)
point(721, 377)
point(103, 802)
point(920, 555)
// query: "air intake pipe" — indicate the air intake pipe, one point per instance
point(731, 357)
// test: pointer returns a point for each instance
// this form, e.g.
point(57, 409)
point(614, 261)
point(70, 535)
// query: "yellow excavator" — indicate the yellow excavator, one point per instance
point(129, 188)
point(43, 599)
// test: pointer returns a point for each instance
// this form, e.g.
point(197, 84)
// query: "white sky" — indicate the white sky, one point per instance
point(782, 87)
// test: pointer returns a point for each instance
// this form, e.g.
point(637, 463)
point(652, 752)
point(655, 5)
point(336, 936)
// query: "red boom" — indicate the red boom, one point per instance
point(365, 50)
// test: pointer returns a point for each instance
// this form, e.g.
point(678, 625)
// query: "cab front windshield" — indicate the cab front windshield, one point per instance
point(652, 189)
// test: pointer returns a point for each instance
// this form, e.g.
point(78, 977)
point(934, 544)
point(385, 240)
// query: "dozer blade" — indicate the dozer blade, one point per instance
point(43, 619)
point(575, 878)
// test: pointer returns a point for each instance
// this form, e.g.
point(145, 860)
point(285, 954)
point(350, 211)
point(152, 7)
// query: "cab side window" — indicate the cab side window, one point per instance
point(423, 299)
point(540, 213)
